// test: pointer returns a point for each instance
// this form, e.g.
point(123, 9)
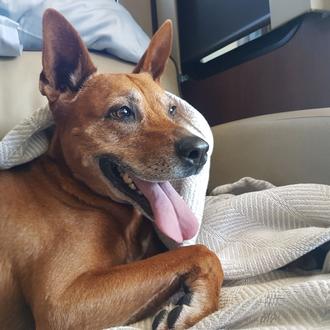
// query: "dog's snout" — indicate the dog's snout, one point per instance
point(192, 150)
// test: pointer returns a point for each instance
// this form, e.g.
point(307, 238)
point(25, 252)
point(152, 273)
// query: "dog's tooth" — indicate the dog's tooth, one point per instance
point(132, 186)
point(127, 179)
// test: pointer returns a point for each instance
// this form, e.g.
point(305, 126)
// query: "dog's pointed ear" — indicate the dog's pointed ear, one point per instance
point(65, 59)
point(158, 52)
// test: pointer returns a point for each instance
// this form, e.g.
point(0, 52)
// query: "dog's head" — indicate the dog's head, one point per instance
point(118, 133)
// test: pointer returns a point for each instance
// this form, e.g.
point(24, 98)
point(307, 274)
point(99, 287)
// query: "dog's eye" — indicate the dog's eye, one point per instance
point(172, 110)
point(123, 113)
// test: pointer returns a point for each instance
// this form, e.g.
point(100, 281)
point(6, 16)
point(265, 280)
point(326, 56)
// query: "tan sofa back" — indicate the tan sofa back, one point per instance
point(19, 84)
point(283, 148)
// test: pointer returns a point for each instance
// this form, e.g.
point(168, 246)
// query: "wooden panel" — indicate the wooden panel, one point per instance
point(293, 77)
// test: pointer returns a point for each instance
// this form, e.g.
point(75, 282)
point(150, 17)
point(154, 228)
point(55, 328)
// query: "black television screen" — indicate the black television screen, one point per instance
point(208, 25)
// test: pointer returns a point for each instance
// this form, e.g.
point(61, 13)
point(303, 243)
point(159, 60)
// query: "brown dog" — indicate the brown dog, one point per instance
point(75, 253)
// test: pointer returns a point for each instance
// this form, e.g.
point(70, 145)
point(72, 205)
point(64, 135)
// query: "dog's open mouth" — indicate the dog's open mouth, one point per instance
point(124, 183)
point(159, 201)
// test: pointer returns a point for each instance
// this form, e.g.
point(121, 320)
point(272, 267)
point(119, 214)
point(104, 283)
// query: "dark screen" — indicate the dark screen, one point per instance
point(208, 25)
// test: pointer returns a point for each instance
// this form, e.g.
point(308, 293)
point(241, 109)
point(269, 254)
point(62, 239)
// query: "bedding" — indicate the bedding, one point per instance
point(260, 233)
point(104, 25)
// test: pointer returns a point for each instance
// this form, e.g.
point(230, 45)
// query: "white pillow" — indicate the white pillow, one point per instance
point(104, 25)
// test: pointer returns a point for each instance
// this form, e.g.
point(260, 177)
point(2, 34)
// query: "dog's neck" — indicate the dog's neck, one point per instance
point(60, 171)
point(134, 224)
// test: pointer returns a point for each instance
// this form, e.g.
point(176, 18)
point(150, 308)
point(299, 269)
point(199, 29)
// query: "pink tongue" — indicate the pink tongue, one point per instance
point(172, 215)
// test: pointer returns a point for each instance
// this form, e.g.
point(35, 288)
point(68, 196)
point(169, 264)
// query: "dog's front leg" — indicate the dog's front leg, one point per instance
point(129, 292)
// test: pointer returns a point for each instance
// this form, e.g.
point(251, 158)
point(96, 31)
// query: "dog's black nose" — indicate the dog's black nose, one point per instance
point(192, 150)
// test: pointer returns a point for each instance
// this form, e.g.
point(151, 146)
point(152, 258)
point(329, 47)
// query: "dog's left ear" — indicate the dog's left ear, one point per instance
point(65, 59)
point(158, 52)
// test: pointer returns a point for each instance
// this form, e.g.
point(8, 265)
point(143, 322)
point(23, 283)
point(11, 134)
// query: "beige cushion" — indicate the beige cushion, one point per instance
point(283, 148)
point(19, 84)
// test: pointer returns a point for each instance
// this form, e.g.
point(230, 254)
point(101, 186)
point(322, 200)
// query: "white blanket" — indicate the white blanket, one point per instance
point(257, 233)
point(255, 229)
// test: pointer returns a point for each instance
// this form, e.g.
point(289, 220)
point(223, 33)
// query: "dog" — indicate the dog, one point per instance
point(78, 249)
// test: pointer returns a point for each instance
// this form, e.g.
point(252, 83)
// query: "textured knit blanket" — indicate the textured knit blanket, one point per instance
point(262, 234)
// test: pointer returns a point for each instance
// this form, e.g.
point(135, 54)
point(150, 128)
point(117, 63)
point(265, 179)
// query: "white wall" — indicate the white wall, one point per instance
point(282, 11)
point(141, 11)
point(167, 9)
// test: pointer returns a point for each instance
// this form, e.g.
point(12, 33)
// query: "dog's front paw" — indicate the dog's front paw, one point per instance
point(201, 293)
point(174, 316)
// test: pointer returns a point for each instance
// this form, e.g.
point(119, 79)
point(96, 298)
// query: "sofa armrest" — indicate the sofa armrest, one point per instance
point(283, 148)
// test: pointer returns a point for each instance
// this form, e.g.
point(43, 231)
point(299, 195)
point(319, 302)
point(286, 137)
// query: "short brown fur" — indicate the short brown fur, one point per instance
point(73, 255)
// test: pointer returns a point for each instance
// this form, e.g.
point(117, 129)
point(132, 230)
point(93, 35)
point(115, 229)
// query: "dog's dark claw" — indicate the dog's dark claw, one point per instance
point(173, 316)
point(185, 288)
point(185, 300)
point(158, 318)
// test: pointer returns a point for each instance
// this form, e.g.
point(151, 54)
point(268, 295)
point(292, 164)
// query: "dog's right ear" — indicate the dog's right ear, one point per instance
point(154, 59)
point(65, 59)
